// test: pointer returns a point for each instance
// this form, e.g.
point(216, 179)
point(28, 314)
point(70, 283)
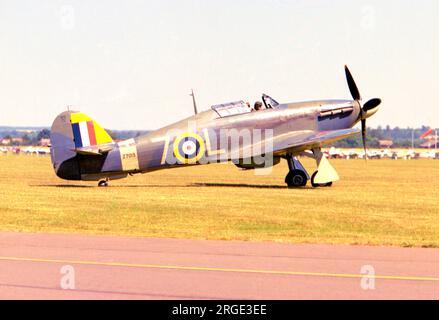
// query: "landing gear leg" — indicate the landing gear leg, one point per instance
point(297, 176)
point(103, 183)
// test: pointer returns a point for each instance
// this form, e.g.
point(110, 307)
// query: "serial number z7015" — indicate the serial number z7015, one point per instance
point(129, 155)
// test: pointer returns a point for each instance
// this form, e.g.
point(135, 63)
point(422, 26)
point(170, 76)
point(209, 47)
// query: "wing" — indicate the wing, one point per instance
point(296, 142)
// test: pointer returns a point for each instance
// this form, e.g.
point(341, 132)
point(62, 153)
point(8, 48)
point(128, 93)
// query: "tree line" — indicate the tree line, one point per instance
point(401, 137)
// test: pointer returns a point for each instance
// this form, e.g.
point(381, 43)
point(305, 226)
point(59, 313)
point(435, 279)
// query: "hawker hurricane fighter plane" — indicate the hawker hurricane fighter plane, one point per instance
point(82, 150)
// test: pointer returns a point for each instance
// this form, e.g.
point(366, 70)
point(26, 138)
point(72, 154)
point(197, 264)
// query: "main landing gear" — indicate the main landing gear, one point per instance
point(297, 176)
point(103, 183)
point(322, 177)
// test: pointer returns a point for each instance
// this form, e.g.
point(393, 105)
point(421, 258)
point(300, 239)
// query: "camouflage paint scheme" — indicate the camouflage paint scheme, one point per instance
point(296, 127)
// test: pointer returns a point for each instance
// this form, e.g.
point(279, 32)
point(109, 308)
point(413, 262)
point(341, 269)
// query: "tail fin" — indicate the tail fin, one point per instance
point(72, 130)
point(87, 132)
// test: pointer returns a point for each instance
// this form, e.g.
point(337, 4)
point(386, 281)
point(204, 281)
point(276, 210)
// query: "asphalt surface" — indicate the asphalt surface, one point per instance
point(61, 266)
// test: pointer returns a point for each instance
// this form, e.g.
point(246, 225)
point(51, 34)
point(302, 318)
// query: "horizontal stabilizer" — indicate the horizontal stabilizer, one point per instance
point(94, 150)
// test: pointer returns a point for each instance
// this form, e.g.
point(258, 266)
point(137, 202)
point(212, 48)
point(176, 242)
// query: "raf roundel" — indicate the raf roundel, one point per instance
point(189, 147)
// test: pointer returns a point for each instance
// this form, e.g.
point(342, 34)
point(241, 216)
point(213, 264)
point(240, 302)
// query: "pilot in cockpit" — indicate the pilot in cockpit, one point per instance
point(258, 106)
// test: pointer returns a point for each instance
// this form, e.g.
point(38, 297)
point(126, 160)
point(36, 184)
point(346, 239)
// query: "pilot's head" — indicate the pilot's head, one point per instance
point(258, 105)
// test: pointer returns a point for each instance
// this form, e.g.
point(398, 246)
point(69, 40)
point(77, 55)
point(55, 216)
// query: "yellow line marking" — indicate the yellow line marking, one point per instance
point(232, 270)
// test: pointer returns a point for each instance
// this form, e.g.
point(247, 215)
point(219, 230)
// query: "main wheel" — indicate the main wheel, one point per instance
point(315, 185)
point(296, 178)
point(103, 183)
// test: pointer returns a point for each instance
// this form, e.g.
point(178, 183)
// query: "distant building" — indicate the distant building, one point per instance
point(429, 145)
point(6, 142)
point(17, 141)
point(431, 142)
point(385, 143)
point(26, 131)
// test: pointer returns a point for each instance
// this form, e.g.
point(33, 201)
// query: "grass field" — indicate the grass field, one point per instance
point(383, 202)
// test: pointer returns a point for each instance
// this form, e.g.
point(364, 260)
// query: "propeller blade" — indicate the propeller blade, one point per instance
point(372, 103)
point(369, 105)
point(363, 136)
point(352, 86)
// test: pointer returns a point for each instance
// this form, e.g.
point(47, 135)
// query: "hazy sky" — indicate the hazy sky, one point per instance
point(131, 64)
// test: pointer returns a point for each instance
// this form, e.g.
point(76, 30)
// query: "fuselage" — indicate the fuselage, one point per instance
point(81, 149)
point(150, 151)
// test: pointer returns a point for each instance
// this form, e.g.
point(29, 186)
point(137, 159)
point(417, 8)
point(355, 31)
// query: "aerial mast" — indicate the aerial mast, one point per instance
point(193, 100)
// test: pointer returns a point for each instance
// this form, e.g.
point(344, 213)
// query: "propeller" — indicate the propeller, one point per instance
point(369, 105)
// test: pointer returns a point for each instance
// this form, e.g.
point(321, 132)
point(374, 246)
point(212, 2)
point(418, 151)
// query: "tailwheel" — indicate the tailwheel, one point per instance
point(296, 178)
point(315, 185)
point(103, 183)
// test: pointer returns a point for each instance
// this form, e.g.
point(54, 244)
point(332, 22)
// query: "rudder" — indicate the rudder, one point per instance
point(72, 130)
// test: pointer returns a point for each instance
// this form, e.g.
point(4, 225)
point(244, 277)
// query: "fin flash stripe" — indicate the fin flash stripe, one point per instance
point(87, 132)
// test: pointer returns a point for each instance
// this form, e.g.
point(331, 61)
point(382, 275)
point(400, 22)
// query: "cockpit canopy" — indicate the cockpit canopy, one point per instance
point(240, 107)
point(231, 108)
point(269, 102)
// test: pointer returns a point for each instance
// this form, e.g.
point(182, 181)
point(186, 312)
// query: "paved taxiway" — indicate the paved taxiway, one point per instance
point(151, 268)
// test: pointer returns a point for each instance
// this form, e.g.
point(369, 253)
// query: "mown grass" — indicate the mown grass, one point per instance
point(383, 202)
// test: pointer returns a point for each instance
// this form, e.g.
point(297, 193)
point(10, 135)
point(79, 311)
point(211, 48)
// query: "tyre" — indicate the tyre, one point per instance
point(315, 185)
point(102, 183)
point(296, 178)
